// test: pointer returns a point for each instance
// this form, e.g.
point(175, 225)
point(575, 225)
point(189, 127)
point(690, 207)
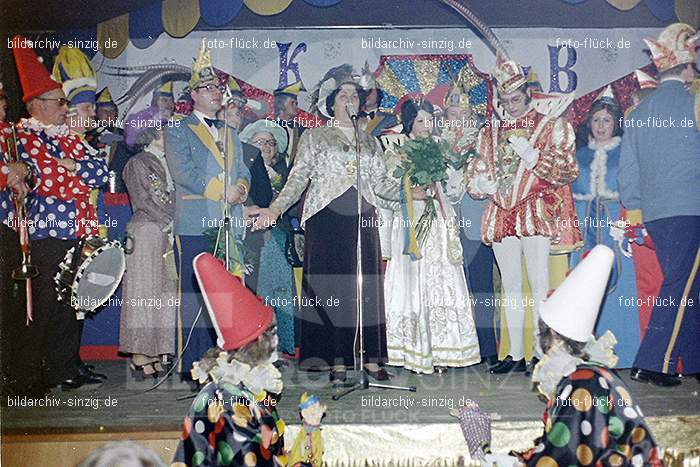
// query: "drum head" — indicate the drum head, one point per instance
point(98, 277)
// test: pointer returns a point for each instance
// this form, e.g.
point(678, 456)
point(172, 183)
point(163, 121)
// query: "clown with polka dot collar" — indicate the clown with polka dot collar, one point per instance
point(591, 417)
point(59, 214)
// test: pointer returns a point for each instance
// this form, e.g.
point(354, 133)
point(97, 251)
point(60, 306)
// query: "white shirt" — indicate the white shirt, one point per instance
point(212, 129)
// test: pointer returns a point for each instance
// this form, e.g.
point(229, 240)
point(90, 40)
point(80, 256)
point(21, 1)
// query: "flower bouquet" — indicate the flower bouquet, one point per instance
point(424, 162)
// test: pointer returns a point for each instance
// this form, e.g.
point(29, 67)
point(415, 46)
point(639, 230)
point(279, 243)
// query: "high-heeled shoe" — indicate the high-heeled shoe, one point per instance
point(380, 375)
point(141, 372)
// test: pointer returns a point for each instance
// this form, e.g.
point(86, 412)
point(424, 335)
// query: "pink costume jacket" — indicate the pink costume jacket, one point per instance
point(527, 202)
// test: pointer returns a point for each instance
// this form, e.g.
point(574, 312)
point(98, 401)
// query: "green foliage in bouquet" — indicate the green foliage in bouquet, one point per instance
point(241, 255)
point(425, 160)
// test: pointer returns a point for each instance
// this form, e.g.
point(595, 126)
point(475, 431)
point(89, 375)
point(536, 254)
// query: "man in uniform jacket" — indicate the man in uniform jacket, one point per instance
point(659, 172)
point(195, 155)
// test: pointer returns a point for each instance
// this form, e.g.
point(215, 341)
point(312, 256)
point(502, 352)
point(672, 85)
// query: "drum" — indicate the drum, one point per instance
point(90, 273)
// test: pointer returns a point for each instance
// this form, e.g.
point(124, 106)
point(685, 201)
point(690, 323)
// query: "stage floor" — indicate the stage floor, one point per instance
point(122, 405)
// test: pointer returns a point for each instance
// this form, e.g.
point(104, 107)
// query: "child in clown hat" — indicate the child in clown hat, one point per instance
point(591, 417)
point(233, 421)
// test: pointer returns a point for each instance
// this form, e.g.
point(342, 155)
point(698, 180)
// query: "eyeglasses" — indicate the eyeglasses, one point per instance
point(60, 100)
point(211, 88)
point(265, 142)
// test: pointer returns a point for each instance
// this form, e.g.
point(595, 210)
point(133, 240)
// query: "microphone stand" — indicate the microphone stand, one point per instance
point(225, 228)
point(361, 381)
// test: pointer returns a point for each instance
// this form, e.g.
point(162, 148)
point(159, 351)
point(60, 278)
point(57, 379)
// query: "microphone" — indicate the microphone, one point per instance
point(350, 110)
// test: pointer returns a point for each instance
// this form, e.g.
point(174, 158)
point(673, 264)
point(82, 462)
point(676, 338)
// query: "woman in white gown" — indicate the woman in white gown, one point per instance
point(429, 316)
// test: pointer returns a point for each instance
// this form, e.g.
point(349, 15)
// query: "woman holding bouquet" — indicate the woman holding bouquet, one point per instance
point(429, 317)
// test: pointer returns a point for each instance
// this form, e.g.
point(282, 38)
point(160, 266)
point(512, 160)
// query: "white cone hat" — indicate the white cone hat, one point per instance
point(572, 309)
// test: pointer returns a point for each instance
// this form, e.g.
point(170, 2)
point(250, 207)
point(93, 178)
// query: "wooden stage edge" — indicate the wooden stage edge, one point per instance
point(346, 444)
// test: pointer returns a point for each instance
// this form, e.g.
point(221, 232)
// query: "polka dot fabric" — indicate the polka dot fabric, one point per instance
point(224, 428)
point(594, 421)
point(59, 206)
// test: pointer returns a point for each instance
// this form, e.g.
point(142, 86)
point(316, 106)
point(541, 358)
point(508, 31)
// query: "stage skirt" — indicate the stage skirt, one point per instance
point(327, 314)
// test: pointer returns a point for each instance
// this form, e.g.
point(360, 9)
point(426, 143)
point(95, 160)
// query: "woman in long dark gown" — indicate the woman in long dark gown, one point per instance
point(326, 162)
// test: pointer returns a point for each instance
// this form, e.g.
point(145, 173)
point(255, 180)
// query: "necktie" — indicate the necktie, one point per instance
point(214, 122)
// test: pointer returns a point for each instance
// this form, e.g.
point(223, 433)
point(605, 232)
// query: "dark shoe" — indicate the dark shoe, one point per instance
point(509, 366)
point(80, 383)
point(652, 377)
point(531, 365)
point(89, 370)
point(491, 361)
point(380, 375)
point(141, 372)
point(337, 376)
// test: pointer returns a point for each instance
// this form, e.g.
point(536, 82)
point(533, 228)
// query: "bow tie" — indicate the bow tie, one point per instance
point(371, 114)
point(214, 122)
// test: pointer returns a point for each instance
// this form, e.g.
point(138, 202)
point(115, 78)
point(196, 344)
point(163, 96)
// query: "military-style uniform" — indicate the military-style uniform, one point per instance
point(663, 130)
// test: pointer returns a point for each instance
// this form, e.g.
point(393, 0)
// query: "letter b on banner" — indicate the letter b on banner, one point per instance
point(556, 69)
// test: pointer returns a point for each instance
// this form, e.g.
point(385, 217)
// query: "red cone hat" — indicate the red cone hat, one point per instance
point(239, 317)
point(33, 75)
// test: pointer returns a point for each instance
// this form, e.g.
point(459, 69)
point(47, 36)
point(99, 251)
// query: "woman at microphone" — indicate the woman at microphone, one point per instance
point(326, 162)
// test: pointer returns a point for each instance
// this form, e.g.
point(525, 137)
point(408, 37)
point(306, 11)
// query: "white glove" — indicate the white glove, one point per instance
point(483, 184)
point(524, 149)
point(617, 230)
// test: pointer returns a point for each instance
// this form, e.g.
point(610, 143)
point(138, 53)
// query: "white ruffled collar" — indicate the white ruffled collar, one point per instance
point(257, 379)
point(557, 363)
point(51, 130)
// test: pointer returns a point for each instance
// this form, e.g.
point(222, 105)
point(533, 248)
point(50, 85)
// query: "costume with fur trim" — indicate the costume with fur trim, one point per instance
point(597, 206)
